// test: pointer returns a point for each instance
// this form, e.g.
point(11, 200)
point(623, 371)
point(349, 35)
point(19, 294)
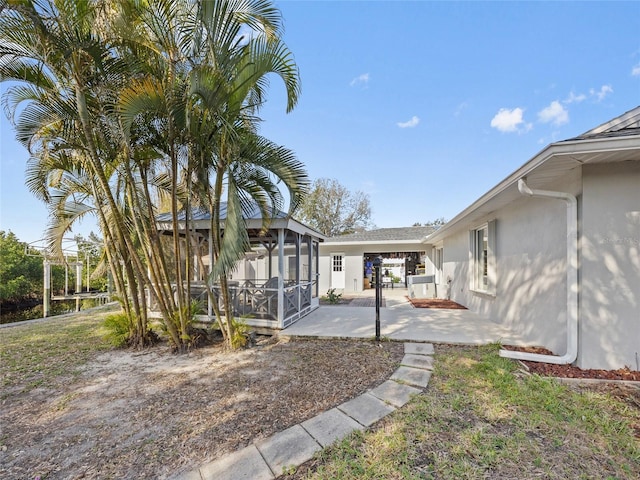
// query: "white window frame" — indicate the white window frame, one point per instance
point(482, 254)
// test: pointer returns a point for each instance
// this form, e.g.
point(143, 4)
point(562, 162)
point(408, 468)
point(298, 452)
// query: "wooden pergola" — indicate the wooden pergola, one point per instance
point(273, 286)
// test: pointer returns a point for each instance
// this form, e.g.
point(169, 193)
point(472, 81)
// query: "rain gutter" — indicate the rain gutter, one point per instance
point(572, 279)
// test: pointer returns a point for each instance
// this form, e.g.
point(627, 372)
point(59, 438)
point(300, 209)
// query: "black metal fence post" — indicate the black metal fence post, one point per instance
point(377, 262)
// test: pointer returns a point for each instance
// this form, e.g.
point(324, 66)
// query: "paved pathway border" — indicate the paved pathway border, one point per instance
point(271, 457)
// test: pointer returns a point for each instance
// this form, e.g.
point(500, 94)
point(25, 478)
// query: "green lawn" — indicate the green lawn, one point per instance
point(481, 417)
point(49, 351)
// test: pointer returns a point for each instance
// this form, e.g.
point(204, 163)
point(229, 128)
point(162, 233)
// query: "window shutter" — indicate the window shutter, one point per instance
point(491, 256)
point(472, 260)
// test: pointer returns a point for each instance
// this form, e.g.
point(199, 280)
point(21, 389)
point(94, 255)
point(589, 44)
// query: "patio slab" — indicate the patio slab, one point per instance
point(366, 409)
point(330, 426)
point(419, 348)
point(291, 447)
point(417, 361)
point(244, 464)
point(413, 376)
point(403, 324)
point(394, 393)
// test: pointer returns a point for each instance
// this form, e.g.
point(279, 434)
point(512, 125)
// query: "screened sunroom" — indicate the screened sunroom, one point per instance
point(273, 286)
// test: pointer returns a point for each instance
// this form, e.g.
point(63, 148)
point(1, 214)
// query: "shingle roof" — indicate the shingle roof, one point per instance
point(203, 214)
point(612, 134)
point(253, 218)
point(386, 235)
point(624, 125)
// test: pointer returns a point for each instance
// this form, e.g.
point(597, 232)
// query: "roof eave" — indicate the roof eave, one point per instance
point(251, 223)
point(567, 148)
point(376, 242)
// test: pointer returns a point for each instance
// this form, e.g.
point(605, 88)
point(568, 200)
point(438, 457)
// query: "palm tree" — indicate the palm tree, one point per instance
point(67, 78)
point(207, 110)
point(119, 100)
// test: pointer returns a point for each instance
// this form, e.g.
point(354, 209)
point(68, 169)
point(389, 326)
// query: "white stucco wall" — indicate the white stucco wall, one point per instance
point(531, 267)
point(354, 261)
point(610, 267)
point(324, 273)
point(530, 291)
point(352, 264)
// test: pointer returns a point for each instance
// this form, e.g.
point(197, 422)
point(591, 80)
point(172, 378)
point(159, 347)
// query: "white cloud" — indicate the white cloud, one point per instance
point(360, 80)
point(555, 114)
point(575, 98)
point(461, 107)
point(510, 121)
point(602, 93)
point(635, 71)
point(409, 123)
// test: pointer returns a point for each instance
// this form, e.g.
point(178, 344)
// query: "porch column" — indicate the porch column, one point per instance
point(209, 283)
point(197, 241)
point(316, 252)
point(66, 276)
point(270, 250)
point(297, 237)
point(196, 268)
point(46, 298)
point(309, 261)
point(78, 284)
point(280, 277)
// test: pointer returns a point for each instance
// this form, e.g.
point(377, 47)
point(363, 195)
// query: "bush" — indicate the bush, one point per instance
point(241, 334)
point(332, 296)
point(20, 274)
point(118, 329)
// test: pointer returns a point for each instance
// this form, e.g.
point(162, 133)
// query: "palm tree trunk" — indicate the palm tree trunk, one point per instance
point(226, 326)
point(120, 236)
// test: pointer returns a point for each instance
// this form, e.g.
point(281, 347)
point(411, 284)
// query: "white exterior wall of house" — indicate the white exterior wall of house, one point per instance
point(324, 273)
point(531, 254)
point(609, 299)
point(526, 283)
point(530, 286)
point(352, 264)
point(353, 261)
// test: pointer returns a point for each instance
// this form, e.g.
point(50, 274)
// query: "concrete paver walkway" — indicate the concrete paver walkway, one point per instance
point(269, 458)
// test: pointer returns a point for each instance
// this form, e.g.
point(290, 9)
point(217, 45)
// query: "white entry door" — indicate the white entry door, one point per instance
point(337, 270)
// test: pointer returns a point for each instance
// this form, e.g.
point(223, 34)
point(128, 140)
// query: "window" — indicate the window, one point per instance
point(483, 263)
point(480, 258)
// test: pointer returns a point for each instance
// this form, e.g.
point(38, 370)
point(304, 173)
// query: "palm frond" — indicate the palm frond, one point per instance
point(235, 240)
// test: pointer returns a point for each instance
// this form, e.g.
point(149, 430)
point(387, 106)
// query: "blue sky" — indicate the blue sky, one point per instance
point(425, 105)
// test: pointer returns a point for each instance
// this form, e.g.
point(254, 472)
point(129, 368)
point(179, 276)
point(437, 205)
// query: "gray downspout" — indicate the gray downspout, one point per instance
point(572, 279)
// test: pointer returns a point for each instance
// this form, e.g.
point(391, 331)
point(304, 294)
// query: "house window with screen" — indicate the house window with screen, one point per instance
point(483, 266)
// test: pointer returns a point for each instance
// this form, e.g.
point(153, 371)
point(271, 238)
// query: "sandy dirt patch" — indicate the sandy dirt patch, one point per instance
point(152, 414)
